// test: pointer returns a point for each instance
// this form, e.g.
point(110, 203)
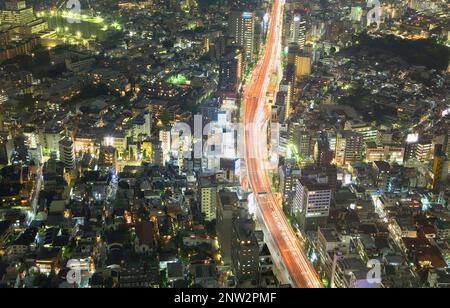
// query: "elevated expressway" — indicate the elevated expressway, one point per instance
point(285, 246)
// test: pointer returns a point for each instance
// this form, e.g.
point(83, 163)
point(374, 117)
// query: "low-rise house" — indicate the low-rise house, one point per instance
point(145, 237)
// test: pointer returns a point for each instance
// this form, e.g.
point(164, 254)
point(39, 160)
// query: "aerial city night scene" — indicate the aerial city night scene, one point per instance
point(224, 151)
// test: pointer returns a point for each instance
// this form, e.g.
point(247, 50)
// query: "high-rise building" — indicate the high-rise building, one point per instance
point(284, 100)
point(290, 70)
point(16, 12)
point(323, 155)
point(108, 156)
point(245, 251)
point(49, 138)
point(304, 143)
point(380, 172)
point(157, 158)
point(419, 148)
point(20, 149)
point(218, 46)
point(303, 65)
point(303, 139)
point(289, 173)
point(349, 147)
point(439, 169)
point(15, 5)
point(208, 197)
point(67, 153)
point(312, 203)
point(166, 143)
point(390, 153)
point(242, 29)
point(369, 133)
point(221, 141)
point(228, 210)
point(297, 30)
point(325, 174)
point(231, 71)
point(141, 126)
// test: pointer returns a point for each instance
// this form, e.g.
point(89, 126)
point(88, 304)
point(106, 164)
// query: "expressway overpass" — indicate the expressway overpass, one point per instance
point(284, 244)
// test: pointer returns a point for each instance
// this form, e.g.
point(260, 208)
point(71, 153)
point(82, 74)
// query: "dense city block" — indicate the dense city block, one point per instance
point(224, 144)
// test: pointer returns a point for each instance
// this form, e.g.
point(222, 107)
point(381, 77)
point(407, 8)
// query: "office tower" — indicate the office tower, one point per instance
point(34, 149)
point(245, 251)
point(218, 46)
point(304, 143)
point(390, 153)
point(228, 211)
point(108, 156)
point(292, 52)
point(209, 111)
point(381, 171)
point(141, 126)
point(20, 149)
point(322, 153)
point(157, 153)
point(289, 173)
point(312, 203)
point(166, 143)
point(49, 138)
point(284, 100)
point(232, 168)
point(303, 65)
point(302, 138)
point(16, 12)
point(231, 71)
point(326, 174)
point(242, 29)
point(446, 147)
point(67, 153)
point(299, 63)
point(15, 5)
point(208, 197)
point(417, 148)
point(424, 151)
point(297, 30)
point(349, 147)
point(369, 133)
point(31, 136)
point(384, 137)
point(221, 141)
point(439, 169)
point(290, 70)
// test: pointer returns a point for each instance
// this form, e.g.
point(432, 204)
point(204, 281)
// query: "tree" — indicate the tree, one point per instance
point(143, 214)
point(416, 52)
point(163, 281)
point(26, 103)
point(42, 281)
point(165, 117)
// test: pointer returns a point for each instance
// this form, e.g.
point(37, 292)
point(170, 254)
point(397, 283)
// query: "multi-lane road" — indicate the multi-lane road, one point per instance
point(289, 250)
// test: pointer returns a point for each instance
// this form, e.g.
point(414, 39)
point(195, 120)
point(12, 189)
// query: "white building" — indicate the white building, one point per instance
point(297, 31)
point(312, 202)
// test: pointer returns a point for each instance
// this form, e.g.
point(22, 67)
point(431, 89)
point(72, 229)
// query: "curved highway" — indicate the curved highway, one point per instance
point(290, 252)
